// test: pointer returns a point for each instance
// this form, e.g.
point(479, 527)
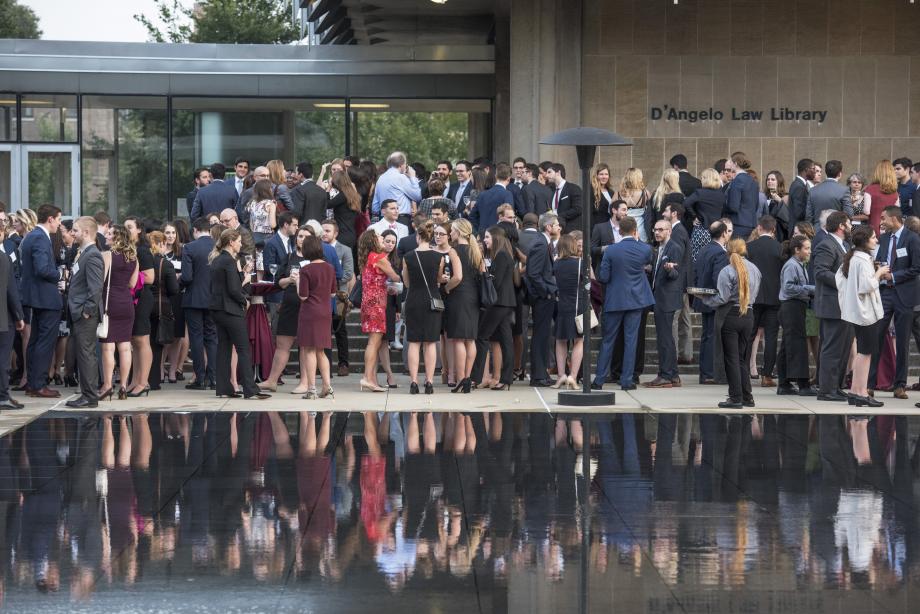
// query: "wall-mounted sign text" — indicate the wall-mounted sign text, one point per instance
point(775, 114)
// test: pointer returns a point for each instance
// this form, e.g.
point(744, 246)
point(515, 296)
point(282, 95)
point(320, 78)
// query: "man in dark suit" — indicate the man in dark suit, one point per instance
point(242, 211)
point(276, 252)
point(537, 196)
point(767, 254)
point(742, 197)
point(627, 295)
point(836, 334)
point(485, 213)
point(798, 191)
point(40, 276)
point(607, 233)
point(529, 234)
point(688, 183)
point(11, 320)
point(216, 196)
point(541, 287)
point(566, 199)
point(309, 200)
point(900, 291)
point(829, 194)
point(462, 188)
point(84, 303)
point(668, 290)
point(680, 234)
point(202, 178)
point(196, 301)
point(709, 263)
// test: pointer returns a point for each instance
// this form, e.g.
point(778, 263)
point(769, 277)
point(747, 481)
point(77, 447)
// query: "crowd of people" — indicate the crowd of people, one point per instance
point(465, 267)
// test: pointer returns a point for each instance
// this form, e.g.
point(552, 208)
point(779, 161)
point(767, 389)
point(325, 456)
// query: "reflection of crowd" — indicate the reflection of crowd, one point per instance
point(708, 500)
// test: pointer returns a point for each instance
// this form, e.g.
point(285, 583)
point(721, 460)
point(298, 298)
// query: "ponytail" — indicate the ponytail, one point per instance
point(737, 250)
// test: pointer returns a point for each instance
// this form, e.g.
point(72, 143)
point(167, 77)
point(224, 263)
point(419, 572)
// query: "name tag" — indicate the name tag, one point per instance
point(901, 252)
point(76, 268)
point(177, 264)
point(13, 257)
point(304, 263)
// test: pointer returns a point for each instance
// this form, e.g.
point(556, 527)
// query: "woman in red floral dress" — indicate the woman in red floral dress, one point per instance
point(375, 271)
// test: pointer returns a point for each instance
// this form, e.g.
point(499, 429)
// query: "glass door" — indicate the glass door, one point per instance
point(50, 174)
point(9, 176)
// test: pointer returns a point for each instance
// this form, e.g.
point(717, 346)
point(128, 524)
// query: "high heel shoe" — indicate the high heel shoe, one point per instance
point(70, 381)
point(501, 387)
point(107, 393)
point(145, 391)
point(429, 388)
point(572, 384)
point(366, 385)
point(413, 387)
point(122, 394)
point(460, 385)
point(327, 392)
point(561, 381)
point(269, 387)
point(467, 385)
point(58, 380)
point(310, 394)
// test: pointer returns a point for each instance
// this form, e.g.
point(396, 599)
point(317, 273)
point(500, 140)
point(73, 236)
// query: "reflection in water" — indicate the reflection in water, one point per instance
point(466, 511)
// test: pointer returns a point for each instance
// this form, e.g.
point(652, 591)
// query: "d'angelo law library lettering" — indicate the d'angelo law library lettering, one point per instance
point(776, 114)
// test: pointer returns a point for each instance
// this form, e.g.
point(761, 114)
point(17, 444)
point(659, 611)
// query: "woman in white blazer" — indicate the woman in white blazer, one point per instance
point(861, 306)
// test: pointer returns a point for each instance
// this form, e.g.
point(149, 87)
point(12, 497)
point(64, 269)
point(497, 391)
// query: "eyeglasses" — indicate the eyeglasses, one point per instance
point(440, 234)
point(660, 229)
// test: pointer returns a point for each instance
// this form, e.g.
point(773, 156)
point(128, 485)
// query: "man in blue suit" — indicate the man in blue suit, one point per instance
point(709, 264)
point(40, 276)
point(743, 197)
point(668, 290)
point(276, 251)
point(196, 278)
point(462, 188)
point(484, 214)
point(627, 294)
point(216, 196)
point(541, 288)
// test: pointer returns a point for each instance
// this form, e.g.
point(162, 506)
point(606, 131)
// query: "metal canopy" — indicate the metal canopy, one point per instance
point(597, 137)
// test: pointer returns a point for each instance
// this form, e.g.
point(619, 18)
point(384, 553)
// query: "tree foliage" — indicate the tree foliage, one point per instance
point(221, 21)
point(18, 21)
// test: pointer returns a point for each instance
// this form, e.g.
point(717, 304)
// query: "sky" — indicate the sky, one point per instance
point(91, 20)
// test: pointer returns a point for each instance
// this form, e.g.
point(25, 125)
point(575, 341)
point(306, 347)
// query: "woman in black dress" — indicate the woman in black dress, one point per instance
point(345, 203)
point(603, 193)
point(286, 333)
point(495, 321)
point(177, 235)
point(705, 206)
point(463, 301)
point(143, 309)
point(420, 272)
point(569, 270)
point(164, 287)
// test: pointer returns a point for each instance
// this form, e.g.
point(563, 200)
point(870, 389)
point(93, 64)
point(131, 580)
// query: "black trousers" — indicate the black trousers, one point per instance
point(232, 333)
point(903, 325)
point(543, 311)
point(792, 362)
point(40, 351)
point(495, 321)
point(84, 341)
point(836, 340)
point(767, 317)
point(616, 363)
point(664, 341)
point(341, 339)
point(736, 348)
point(202, 340)
point(6, 348)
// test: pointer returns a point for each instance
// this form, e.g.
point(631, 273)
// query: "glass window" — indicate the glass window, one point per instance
point(124, 156)
point(49, 118)
point(7, 117)
point(209, 130)
point(426, 130)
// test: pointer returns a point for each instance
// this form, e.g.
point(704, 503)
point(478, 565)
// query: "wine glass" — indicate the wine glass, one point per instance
point(273, 268)
point(466, 203)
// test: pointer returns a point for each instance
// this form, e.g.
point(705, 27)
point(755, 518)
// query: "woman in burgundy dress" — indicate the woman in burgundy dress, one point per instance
point(315, 287)
point(375, 271)
point(121, 267)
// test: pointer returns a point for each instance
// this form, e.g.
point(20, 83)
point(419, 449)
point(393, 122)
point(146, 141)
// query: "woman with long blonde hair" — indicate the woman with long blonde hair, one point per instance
point(737, 288)
point(602, 191)
point(637, 199)
point(668, 191)
point(463, 301)
point(280, 191)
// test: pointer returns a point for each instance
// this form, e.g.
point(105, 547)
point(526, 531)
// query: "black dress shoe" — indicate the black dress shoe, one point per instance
point(259, 396)
point(196, 386)
point(596, 386)
point(81, 403)
point(628, 387)
point(730, 405)
point(809, 391)
point(748, 402)
point(833, 397)
point(10, 404)
point(540, 383)
point(786, 390)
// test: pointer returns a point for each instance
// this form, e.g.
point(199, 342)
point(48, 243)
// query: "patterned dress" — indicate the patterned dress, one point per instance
point(373, 296)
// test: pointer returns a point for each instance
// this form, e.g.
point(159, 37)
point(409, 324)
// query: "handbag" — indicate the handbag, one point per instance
point(166, 333)
point(435, 304)
point(580, 317)
point(102, 329)
point(488, 296)
point(354, 297)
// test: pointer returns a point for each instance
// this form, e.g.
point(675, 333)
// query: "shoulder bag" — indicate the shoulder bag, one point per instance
point(579, 317)
point(488, 296)
point(435, 304)
point(166, 322)
point(354, 297)
point(102, 329)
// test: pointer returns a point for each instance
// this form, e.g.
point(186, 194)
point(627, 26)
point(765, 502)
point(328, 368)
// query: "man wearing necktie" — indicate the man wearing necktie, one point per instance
point(900, 291)
point(241, 169)
point(460, 190)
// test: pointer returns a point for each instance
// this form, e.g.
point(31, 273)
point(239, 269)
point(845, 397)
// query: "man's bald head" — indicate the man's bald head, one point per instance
point(229, 218)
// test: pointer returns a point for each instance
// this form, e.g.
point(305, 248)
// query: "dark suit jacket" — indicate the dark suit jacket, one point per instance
point(406, 244)
point(539, 278)
point(309, 202)
point(274, 253)
point(688, 183)
point(623, 271)
point(214, 198)
point(227, 286)
point(601, 235)
point(706, 205)
point(905, 269)
point(196, 273)
point(798, 201)
point(502, 278)
point(85, 293)
point(570, 207)
point(537, 197)
point(38, 272)
point(709, 264)
point(826, 259)
point(452, 194)
point(10, 305)
point(520, 207)
point(485, 213)
point(742, 201)
point(767, 255)
point(668, 287)
point(681, 237)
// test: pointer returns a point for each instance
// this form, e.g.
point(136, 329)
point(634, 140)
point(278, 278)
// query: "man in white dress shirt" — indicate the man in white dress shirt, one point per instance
point(389, 209)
